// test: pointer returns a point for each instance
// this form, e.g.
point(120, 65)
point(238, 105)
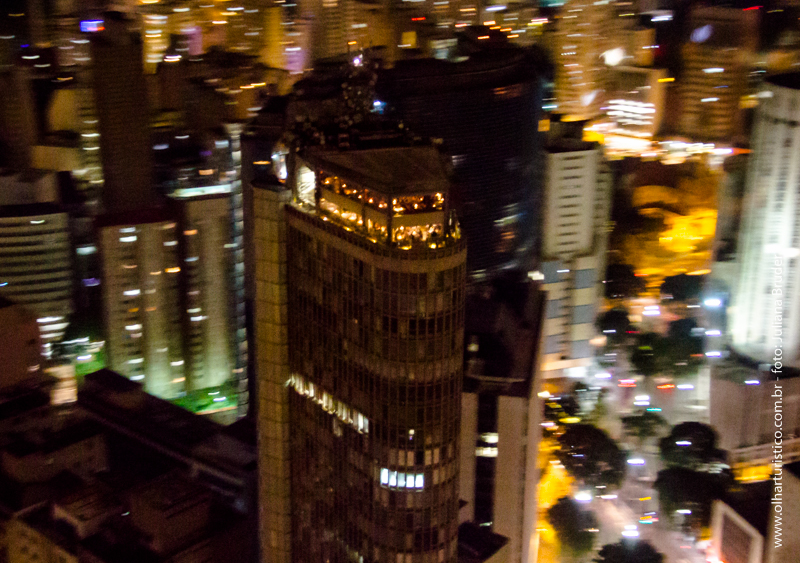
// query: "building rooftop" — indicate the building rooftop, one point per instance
point(788, 80)
point(392, 171)
point(752, 502)
point(477, 544)
point(502, 329)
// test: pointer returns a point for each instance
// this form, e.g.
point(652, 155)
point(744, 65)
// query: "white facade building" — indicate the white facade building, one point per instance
point(141, 300)
point(575, 237)
point(769, 240)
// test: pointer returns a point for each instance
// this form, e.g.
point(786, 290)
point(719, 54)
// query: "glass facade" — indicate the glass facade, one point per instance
point(375, 353)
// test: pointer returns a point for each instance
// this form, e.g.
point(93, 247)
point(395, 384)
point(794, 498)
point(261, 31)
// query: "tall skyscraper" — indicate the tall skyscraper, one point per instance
point(575, 239)
point(123, 118)
point(717, 59)
point(769, 239)
point(141, 302)
point(360, 273)
point(582, 35)
point(485, 106)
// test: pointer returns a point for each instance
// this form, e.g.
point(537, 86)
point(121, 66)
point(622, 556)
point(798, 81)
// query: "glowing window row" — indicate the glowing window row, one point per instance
point(395, 480)
point(342, 411)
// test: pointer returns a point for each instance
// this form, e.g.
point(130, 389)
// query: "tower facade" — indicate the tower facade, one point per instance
point(769, 239)
point(370, 365)
point(486, 110)
point(575, 239)
point(717, 59)
point(581, 38)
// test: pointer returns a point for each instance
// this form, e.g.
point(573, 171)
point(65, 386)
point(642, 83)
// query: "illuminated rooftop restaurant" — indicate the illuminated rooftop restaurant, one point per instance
point(395, 196)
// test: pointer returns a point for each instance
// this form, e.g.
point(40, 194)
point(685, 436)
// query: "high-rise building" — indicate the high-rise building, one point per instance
point(360, 275)
point(36, 251)
point(123, 118)
point(581, 37)
point(485, 106)
point(635, 100)
point(141, 302)
point(766, 304)
point(501, 412)
point(717, 59)
point(574, 242)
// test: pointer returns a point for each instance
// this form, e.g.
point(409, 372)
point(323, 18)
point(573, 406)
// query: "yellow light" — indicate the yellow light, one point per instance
point(670, 79)
point(571, 420)
point(645, 498)
point(489, 23)
point(544, 394)
point(483, 37)
point(174, 270)
point(352, 42)
point(190, 232)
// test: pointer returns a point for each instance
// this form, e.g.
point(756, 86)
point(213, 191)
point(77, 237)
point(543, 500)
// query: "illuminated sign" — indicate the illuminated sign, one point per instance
point(92, 26)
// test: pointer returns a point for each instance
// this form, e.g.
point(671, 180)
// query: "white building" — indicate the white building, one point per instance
point(575, 237)
point(142, 313)
point(769, 239)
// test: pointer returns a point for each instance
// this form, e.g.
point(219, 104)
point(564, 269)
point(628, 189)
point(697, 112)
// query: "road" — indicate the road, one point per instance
point(677, 405)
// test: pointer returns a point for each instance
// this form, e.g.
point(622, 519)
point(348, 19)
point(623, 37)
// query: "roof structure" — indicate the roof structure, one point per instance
point(393, 171)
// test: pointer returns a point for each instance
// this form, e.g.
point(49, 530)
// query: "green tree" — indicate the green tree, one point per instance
point(643, 425)
point(591, 456)
point(693, 446)
point(629, 552)
point(648, 354)
point(683, 287)
point(693, 491)
point(614, 324)
point(572, 525)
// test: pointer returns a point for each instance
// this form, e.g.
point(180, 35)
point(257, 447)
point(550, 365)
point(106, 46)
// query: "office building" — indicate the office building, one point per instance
point(716, 62)
point(581, 45)
point(748, 434)
point(360, 273)
point(122, 111)
point(747, 526)
point(574, 241)
point(635, 100)
point(484, 104)
point(501, 412)
point(20, 344)
point(769, 238)
point(36, 264)
point(141, 299)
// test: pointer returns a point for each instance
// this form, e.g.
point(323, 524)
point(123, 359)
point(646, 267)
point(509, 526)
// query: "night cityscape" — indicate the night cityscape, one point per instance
point(399, 281)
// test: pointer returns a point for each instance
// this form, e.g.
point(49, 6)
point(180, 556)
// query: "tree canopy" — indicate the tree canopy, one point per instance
point(591, 456)
point(572, 524)
point(692, 445)
point(629, 552)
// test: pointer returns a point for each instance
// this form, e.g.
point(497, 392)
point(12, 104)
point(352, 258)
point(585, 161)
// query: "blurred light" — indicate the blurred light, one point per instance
point(713, 354)
point(752, 382)
point(712, 302)
point(666, 386)
point(713, 333)
point(603, 375)
point(583, 496)
point(614, 56)
point(684, 511)
point(636, 461)
point(683, 443)
point(685, 386)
